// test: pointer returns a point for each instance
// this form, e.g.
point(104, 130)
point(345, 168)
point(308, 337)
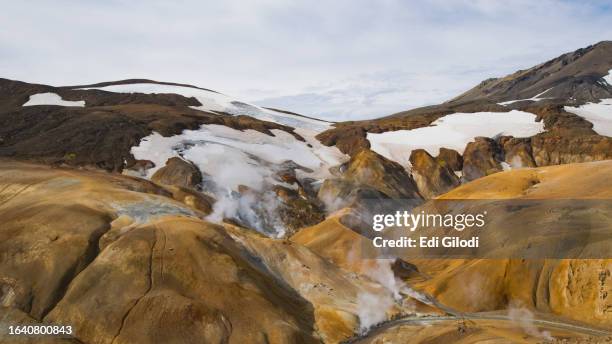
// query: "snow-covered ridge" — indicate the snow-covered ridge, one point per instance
point(600, 114)
point(454, 131)
point(51, 99)
point(218, 102)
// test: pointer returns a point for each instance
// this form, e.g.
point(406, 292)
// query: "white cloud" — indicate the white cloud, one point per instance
point(339, 58)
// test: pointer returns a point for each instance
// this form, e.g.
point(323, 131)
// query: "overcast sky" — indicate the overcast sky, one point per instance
point(337, 60)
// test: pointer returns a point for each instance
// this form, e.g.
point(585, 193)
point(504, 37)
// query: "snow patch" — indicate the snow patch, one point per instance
point(218, 102)
point(453, 131)
point(533, 99)
point(608, 78)
point(600, 114)
point(52, 99)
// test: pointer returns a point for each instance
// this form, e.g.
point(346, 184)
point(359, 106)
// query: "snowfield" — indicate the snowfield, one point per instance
point(217, 102)
point(453, 131)
point(600, 114)
point(51, 99)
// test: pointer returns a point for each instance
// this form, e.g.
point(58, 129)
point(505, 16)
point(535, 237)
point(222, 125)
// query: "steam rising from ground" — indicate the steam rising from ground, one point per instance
point(231, 159)
point(373, 308)
point(524, 317)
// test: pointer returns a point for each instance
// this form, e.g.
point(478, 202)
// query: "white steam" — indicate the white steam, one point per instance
point(524, 317)
point(373, 308)
point(231, 159)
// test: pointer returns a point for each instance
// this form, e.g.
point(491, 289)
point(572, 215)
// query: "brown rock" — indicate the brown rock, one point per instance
point(285, 194)
point(374, 170)
point(348, 139)
point(450, 158)
point(518, 153)
point(297, 211)
point(178, 172)
point(481, 158)
point(194, 199)
point(430, 176)
point(554, 149)
point(339, 193)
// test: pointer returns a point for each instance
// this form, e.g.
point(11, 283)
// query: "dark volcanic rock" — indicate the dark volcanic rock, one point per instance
point(481, 158)
point(450, 158)
point(178, 172)
point(431, 177)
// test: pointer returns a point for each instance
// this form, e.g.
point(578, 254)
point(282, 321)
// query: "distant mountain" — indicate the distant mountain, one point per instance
point(576, 76)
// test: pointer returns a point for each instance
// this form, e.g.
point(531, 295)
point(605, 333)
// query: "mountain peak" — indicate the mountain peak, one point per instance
point(576, 75)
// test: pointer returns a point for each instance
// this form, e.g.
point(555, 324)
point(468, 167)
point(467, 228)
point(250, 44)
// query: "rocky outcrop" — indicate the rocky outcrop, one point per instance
point(568, 139)
point(178, 172)
point(554, 149)
point(450, 158)
point(194, 199)
point(296, 210)
point(481, 158)
point(348, 139)
point(336, 194)
point(374, 170)
point(431, 177)
point(518, 152)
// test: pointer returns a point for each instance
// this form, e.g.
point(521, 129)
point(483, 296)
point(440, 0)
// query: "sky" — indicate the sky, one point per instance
point(337, 60)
